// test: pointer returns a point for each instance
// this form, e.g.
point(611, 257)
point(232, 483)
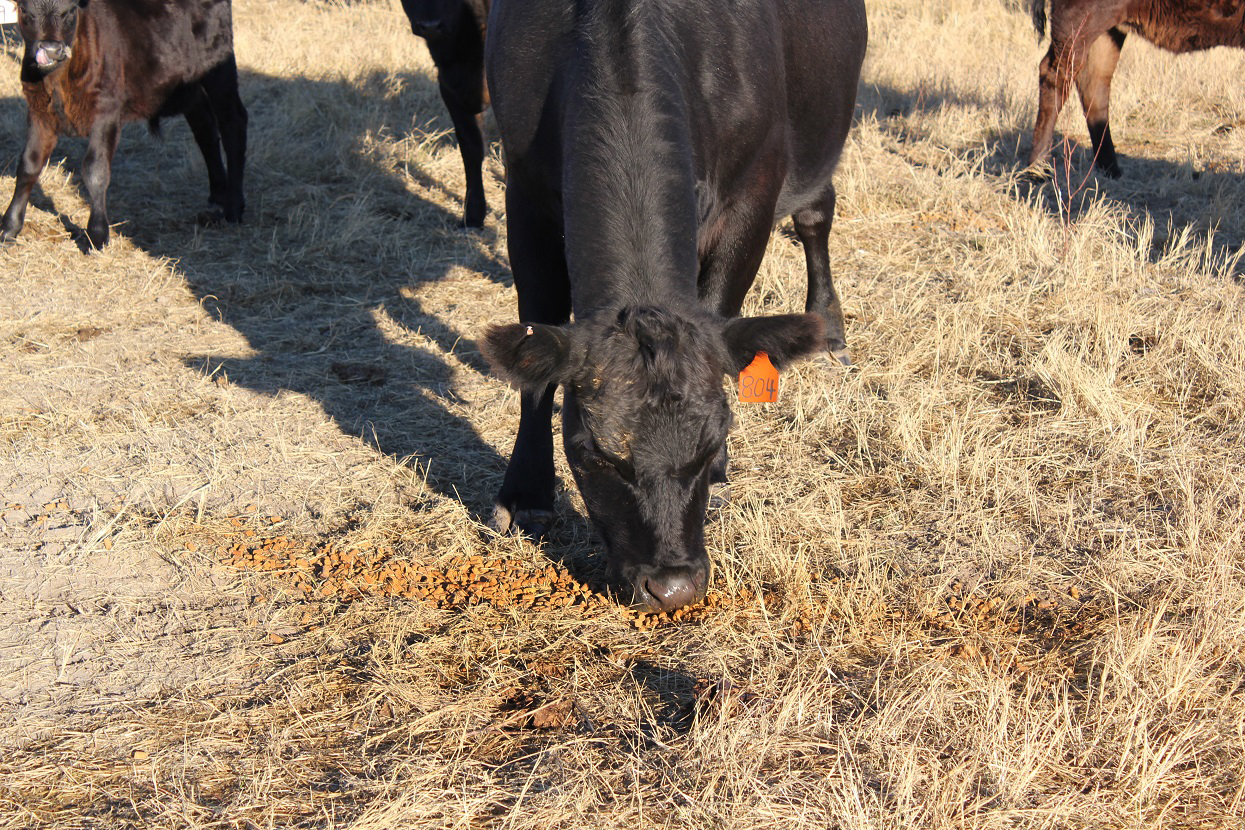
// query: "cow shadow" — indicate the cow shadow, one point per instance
point(320, 278)
point(672, 696)
point(322, 283)
point(1175, 196)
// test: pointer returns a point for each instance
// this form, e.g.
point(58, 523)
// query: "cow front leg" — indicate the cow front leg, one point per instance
point(812, 226)
point(727, 271)
point(1093, 83)
point(96, 175)
point(538, 261)
point(40, 141)
point(729, 266)
point(525, 503)
point(470, 137)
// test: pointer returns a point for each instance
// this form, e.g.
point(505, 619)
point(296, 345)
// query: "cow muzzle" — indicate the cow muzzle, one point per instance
point(48, 54)
point(669, 588)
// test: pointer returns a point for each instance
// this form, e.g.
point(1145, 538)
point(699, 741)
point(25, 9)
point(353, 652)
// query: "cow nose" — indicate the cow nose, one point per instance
point(671, 588)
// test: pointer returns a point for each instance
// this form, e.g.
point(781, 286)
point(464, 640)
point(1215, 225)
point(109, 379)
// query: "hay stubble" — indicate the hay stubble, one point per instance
point(990, 578)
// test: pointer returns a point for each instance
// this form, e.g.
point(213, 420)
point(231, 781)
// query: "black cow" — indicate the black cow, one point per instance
point(650, 146)
point(92, 65)
point(1085, 41)
point(454, 31)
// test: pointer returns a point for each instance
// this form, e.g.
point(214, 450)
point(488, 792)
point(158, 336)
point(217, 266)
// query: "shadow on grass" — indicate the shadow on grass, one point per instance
point(320, 278)
point(321, 285)
point(1174, 195)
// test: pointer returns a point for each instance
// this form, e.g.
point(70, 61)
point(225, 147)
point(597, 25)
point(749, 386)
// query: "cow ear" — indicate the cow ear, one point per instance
point(531, 357)
point(784, 337)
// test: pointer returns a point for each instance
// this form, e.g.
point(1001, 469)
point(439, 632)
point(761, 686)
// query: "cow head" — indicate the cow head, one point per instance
point(644, 418)
point(49, 28)
point(433, 19)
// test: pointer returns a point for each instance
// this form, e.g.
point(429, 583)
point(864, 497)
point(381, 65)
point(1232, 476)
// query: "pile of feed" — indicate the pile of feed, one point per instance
point(312, 569)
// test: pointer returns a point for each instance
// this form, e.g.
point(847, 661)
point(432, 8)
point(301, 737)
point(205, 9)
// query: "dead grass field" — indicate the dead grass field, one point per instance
point(991, 578)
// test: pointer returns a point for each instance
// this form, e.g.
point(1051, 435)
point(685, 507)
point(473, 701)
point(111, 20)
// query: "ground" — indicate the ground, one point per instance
point(990, 577)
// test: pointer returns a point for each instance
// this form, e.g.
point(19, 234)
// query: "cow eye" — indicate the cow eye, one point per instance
point(606, 461)
point(589, 450)
point(593, 453)
point(697, 465)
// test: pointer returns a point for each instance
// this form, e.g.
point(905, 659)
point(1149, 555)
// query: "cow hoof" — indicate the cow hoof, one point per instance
point(213, 217)
point(532, 523)
point(1037, 174)
point(719, 495)
point(836, 359)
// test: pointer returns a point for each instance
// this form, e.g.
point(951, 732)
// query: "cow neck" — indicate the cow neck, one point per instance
point(628, 187)
point(72, 88)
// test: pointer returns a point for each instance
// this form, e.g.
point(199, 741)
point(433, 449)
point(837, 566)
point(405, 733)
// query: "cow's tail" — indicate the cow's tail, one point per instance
point(1037, 8)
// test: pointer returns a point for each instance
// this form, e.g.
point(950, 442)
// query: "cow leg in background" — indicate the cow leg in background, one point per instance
point(1074, 29)
point(96, 174)
point(538, 262)
point(40, 141)
point(471, 145)
point(221, 88)
point(1054, 80)
point(203, 124)
point(812, 225)
point(1094, 85)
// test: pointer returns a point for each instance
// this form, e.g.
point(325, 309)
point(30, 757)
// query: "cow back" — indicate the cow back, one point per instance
point(592, 97)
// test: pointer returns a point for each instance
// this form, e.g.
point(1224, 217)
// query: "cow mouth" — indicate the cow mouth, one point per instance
point(48, 56)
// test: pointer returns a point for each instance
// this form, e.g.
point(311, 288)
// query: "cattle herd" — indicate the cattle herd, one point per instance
point(649, 148)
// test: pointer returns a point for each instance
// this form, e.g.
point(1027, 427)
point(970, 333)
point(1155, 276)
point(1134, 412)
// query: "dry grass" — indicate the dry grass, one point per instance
point(992, 578)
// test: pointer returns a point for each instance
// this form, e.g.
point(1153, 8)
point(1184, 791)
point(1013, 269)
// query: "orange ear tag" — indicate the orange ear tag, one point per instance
point(759, 382)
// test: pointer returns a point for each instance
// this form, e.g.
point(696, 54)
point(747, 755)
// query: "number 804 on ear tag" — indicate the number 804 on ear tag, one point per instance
point(759, 382)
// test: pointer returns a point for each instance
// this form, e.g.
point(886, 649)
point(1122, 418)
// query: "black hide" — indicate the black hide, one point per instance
point(650, 147)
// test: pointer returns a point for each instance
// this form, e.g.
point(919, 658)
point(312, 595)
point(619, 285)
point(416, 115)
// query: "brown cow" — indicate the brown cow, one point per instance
point(92, 65)
point(1085, 41)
